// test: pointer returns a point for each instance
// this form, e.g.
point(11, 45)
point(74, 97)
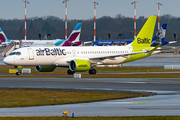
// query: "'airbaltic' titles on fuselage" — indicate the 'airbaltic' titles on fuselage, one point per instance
point(143, 41)
point(48, 52)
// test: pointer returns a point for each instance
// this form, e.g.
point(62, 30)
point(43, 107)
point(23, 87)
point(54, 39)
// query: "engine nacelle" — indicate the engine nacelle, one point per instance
point(45, 68)
point(79, 65)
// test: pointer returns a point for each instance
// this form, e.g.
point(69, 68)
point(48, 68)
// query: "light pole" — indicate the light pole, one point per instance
point(134, 2)
point(65, 1)
point(95, 3)
point(25, 19)
point(159, 15)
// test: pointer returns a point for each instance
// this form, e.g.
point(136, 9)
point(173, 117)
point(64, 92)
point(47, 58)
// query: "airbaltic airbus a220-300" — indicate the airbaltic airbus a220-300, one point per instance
point(84, 58)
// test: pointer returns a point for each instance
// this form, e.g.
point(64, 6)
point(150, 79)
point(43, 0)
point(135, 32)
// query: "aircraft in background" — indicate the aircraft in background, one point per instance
point(157, 39)
point(3, 39)
point(81, 59)
point(73, 40)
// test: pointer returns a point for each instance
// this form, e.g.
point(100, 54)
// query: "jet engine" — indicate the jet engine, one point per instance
point(79, 65)
point(45, 68)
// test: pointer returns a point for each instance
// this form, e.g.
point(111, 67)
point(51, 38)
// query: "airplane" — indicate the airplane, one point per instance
point(81, 59)
point(3, 39)
point(155, 41)
point(73, 40)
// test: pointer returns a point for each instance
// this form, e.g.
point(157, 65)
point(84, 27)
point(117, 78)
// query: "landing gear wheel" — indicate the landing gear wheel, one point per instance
point(18, 73)
point(70, 72)
point(92, 71)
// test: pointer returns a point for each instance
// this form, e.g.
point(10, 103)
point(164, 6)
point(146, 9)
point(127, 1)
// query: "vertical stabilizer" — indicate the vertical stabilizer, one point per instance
point(145, 35)
point(161, 33)
point(75, 34)
point(73, 37)
point(3, 37)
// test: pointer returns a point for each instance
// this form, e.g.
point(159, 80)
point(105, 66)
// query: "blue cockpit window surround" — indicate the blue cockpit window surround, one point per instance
point(15, 53)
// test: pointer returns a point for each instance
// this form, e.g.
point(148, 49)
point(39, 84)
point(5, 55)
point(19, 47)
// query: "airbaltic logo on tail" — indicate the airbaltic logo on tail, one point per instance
point(48, 52)
point(143, 41)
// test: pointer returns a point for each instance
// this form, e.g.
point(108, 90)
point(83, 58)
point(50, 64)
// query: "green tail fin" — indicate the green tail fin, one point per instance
point(145, 35)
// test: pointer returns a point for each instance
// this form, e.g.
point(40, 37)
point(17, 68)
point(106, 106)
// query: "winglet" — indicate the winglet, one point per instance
point(155, 48)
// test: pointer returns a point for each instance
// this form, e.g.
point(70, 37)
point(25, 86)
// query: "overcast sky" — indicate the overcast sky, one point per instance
point(84, 9)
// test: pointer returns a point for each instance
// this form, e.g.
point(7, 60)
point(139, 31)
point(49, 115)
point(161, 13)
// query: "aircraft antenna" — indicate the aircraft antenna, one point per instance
point(134, 2)
point(159, 15)
point(65, 1)
point(25, 18)
point(95, 3)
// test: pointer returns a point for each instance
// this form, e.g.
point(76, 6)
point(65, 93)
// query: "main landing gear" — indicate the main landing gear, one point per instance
point(92, 71)
point(69, 72)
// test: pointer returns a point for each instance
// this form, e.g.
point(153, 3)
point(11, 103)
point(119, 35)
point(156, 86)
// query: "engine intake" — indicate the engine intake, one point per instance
point(45, 68)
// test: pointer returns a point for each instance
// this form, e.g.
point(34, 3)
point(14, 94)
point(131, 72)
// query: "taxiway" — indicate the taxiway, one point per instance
point(166, 102)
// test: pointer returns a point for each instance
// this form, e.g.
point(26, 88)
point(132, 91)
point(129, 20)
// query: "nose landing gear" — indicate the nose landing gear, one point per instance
point(19, 70)
point(18, 73)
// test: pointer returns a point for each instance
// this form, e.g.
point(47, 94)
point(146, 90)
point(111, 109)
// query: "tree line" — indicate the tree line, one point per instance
point(14, 28)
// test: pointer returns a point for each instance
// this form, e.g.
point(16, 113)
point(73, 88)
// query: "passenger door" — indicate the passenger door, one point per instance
point(31, 54)
point(131, 50)
point(74, 53)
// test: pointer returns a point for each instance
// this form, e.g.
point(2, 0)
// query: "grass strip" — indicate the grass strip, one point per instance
point(55, 74)
point(146, 75)
point(22, 98)
point(5, 70)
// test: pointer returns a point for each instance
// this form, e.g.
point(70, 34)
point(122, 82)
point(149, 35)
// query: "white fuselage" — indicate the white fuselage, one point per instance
point(60, 56)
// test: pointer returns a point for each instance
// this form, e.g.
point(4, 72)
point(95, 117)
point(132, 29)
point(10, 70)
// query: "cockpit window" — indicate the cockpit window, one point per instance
point(18, 53)
point(15, 53)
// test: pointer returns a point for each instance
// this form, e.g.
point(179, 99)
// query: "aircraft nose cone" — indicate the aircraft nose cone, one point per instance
point(8, 61)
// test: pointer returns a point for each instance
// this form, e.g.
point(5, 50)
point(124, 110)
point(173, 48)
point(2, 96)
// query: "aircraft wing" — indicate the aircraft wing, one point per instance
point(124, 54)
point(88, 42)
point(172, 42)
point(117, 55)
point(165, 48)
point(72, 43)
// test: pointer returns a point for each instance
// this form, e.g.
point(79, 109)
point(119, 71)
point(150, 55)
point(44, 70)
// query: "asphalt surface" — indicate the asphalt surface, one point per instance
point(166, 102)
point(143, 106)
point(101, 84)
